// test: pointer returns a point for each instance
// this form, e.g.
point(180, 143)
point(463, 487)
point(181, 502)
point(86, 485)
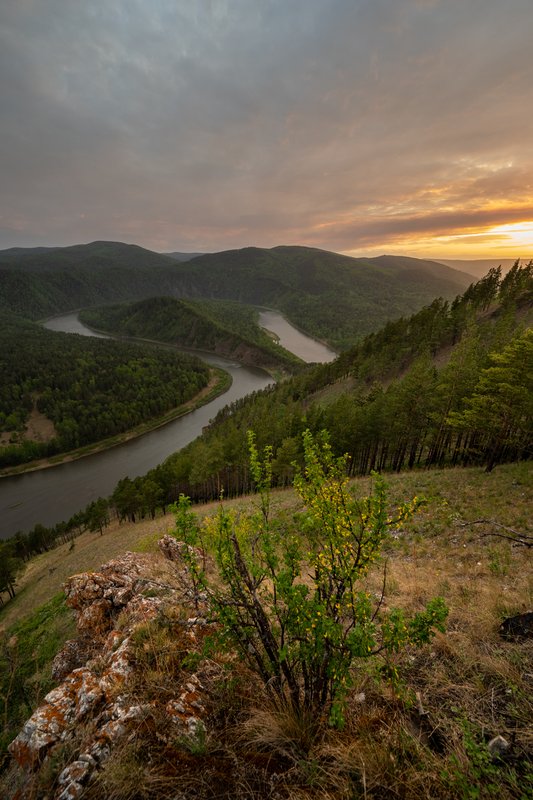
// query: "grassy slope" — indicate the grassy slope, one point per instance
point(471, 684)
point(454, 496)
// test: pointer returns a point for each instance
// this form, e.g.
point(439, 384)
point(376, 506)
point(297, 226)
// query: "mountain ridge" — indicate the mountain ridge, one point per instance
point(332, 297)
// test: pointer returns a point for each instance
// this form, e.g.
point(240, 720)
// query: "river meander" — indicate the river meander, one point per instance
point(54, 494)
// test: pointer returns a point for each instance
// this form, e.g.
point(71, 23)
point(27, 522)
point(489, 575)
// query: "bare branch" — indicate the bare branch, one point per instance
point(517, 537)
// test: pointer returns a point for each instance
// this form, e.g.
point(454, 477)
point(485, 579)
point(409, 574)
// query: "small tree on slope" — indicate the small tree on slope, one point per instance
point(292, 604)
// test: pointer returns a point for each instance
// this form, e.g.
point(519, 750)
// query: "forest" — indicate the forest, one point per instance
point(449, 385)
point(221, 326)
point(332, 297)
point(452, 384)
point(90, 389)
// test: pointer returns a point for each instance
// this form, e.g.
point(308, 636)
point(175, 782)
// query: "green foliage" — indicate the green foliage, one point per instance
point(474, 774)
point(226, 327)
point(26, 653)
point(39, 284)
point(500, 410)
point(331, 296)
point(389, 401)
point(89, 388)
point(292, 603)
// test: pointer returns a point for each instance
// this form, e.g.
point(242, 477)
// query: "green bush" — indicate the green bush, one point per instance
point(292, 604)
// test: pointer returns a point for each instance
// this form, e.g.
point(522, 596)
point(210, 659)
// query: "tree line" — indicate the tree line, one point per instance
point(89, 388)
point(450, 385)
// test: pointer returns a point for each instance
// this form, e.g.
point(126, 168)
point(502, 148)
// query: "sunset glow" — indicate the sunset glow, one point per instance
point(351, 126)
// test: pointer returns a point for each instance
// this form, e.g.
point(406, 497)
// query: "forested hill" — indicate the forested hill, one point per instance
point(224, 327)
point(60, 391)
point(450, 385)
point(104, 255)
point(330, 296)
point(37, 284)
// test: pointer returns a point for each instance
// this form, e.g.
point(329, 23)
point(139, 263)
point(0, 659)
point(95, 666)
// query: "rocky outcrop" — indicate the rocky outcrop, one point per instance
point(98, 703)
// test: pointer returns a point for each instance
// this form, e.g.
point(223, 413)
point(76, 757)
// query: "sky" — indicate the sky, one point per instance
point(359, 126)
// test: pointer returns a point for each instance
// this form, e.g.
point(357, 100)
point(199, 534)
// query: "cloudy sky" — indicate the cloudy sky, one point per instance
point(361, 126)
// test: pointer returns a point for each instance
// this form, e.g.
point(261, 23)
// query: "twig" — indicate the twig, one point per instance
point(517, 537)
point(519, 540)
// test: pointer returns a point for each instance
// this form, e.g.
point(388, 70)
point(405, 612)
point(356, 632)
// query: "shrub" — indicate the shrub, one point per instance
point(292, 603)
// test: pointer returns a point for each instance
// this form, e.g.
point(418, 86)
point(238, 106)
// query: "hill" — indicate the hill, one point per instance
point(223, 327)
point(60, 392)
point(448, 385)
point(479, 267)
point(42, 284)
point(332, 297)
point(458, 691)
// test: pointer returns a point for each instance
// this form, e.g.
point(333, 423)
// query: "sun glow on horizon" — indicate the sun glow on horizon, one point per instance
point(508, 240)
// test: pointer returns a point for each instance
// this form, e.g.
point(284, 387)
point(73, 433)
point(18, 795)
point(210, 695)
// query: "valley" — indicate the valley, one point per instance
point(50, 496)
point(356, 586)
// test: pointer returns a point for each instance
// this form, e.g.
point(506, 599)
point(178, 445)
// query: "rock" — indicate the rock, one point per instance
point(93, 708)
point(73, 655)
point(498, 747)
point(518, 627)
point(76, 771)
point(173, 549)
point(95, 619)
point(64, 706)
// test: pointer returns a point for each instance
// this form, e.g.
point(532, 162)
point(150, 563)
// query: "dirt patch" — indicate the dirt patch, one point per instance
point(39, 428)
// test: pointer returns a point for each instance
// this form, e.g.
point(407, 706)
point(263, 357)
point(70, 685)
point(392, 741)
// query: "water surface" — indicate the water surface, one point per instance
point(56, 493)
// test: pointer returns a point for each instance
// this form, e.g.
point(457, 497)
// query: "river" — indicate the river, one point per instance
point(56, 493)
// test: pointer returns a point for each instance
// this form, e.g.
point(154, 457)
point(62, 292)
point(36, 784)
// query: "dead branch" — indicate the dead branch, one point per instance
point(517, 537)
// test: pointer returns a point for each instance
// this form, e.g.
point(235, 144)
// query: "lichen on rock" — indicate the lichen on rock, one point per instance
point(98, 703)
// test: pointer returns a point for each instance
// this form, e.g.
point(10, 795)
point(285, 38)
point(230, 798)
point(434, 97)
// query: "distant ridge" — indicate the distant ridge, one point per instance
point(16, 252)
point(333, 297)
point(480, 266)
point(183, 256)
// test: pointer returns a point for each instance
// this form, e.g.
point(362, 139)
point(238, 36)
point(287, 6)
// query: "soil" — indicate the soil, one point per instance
point(38, 429)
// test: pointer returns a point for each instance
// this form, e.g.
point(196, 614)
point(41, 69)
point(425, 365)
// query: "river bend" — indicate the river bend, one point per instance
point(56, 493)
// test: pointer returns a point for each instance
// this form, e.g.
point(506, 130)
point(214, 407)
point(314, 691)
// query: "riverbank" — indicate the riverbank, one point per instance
point(219, 383)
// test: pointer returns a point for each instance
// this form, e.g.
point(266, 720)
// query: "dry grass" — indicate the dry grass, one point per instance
point(429, 742)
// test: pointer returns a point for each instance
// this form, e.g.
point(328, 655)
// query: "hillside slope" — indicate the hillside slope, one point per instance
point(330, 296)
point(450, 385)
point(226, 328)
point(458, 692)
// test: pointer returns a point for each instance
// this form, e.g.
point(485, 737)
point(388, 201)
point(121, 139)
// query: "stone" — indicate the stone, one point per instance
point(73, 654)
point(93, 708)
point(498, 747)
point(75, 772)
point(518, 627)
point(95, 619)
